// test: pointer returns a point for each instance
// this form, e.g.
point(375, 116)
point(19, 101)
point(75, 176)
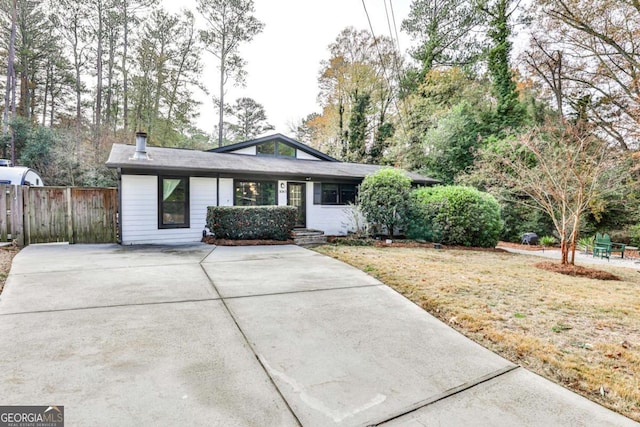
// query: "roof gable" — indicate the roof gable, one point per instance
point(278, 137)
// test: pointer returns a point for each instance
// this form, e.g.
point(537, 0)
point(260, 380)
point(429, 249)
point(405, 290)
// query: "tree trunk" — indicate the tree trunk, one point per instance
point(221, 99)
point(564, 247)
point(342, 141)
point(32, 96)
point(125, 83)
point(99, 72)
point(110, 67)
point(558, 90)
point(53, 107)
point(77, 63)
point(10, 70)
point(176, 82)
point(10, 93)
point(23, 105)
point(48, 85)
point(160, 76)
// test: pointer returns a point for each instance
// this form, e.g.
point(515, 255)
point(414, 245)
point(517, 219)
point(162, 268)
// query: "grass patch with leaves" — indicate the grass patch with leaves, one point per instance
point(579, 332)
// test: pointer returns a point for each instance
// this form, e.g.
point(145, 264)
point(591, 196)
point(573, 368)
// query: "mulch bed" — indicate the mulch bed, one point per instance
point(576, 270)
point(226, 242)
point(568, 269)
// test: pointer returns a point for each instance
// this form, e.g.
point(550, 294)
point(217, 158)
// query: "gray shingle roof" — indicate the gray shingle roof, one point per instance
point(176, 160)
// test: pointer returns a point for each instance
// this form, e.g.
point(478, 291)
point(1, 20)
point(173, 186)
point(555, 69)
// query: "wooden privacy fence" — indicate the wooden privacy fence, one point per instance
point(58, 214)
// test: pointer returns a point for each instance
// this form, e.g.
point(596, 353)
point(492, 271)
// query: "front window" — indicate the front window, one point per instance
point(329, 194)
point(336, 194)
point(173, 201)
point(255, 193)
point(347, 194)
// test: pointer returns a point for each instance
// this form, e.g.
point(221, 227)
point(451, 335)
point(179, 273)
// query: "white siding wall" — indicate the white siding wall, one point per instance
point(305, 156)
point(202, 192)
point(247, 150)
point(226, 192)
point(282, 193)
point(140, 210)
point(333, 220)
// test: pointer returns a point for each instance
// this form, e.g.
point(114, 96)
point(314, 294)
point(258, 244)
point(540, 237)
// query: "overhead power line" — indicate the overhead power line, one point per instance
point(382, 63)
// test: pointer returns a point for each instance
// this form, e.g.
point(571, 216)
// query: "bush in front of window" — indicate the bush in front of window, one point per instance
point(455, 215)
point(384, 199)
point(251, 222)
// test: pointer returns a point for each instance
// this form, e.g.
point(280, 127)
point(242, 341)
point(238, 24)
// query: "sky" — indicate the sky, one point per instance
point(284, 60)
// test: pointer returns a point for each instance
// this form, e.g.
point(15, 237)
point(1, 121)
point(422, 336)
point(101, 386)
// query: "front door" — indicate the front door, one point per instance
point(296, 197)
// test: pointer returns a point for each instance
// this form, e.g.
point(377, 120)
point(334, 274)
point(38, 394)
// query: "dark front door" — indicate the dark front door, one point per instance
point(296, 197)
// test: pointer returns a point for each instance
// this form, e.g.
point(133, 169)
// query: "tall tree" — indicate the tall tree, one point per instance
point(360, 67)
point(251, 119)
point(304, 128)
point(58, 78)
point(10, 89)
point(561, 170)
point(358, 127)
point(98, 15)
point(229, 24)
point(598, 41)
point(128, 11)
point(168, 67)
point(546, 62)
point(499, 14)
point(70, 18)
point(32, 46)
point(444, 30)
point(440, 136)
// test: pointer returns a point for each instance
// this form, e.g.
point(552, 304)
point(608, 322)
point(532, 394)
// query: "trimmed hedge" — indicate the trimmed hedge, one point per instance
point(455, 215)
point(251, 222)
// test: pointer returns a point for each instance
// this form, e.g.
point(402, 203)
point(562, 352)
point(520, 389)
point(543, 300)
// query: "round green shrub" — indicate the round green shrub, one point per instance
point(384, 199)
point(455, 215)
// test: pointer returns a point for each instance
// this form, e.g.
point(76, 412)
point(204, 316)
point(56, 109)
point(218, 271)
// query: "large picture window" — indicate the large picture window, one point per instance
point(334, 194)
point(255, 193)
point(173, 202)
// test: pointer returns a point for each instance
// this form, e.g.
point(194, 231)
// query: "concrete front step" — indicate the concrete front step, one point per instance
point(308, 237)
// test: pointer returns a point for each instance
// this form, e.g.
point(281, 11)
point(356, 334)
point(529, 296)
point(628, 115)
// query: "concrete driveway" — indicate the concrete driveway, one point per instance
point(248, 336)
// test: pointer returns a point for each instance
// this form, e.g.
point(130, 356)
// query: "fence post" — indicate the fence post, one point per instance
point(17, 216)
point(26, 216)
point(3, 213)
point(69, 215)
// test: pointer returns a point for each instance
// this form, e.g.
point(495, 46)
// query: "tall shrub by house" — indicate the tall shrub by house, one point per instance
point(455, 215)
point(384, 199)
